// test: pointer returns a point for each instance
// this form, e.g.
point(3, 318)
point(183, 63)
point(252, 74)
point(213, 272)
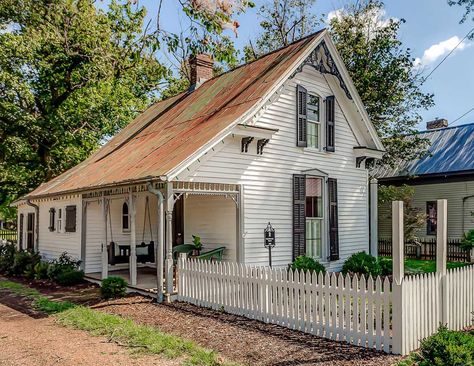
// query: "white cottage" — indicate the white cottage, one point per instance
point(284, 139)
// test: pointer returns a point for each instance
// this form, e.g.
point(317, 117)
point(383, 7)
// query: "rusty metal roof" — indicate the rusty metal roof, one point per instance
point(170, 131)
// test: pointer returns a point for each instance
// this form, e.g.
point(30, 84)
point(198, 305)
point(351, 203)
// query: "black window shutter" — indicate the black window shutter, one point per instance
point(299, 215)
point(70, 219)
point(330, 123)
point(52, 215)
point(20, 239)
point(301, 116)
point(333, 221)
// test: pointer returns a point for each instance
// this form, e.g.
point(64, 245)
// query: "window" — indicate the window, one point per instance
point(52, 220)
point(125, 217)
point(314, 217)
point(431, 217)
point(59, 226)
point(314, 126)
point(70, 226)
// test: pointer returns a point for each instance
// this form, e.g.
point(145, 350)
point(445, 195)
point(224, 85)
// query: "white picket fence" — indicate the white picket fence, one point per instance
point(361, 311)
point(353, 310)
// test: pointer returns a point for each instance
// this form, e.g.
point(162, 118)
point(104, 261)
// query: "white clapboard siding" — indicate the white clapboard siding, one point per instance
point(454, 192)
point(354, 310)
point(267, 178)
point(53, 243)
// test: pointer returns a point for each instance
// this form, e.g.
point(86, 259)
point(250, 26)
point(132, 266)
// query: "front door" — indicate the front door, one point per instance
point(30, 231)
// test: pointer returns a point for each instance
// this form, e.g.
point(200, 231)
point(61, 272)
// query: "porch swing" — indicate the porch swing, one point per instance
point(145, 251)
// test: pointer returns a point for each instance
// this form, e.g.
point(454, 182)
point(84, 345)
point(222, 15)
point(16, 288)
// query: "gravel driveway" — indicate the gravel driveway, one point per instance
point(28, 341)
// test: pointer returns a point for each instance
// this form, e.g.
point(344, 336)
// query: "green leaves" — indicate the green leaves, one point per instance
point(72, 75)
point(383, 73)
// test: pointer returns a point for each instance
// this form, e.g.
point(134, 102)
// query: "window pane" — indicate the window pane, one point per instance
point(313, 135)
point(314, 197)
point(313, 108)
point(432, 215)
point(125, 222)
point(314, 238)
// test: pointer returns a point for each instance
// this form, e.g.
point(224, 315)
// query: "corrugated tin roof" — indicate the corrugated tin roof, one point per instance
point(170, 131)
point(451, 150)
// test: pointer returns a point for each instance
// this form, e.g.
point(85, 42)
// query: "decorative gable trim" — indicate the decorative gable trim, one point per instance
point(321, 60)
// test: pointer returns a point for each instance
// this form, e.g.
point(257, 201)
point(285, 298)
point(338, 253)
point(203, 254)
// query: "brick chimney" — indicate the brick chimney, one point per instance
point(201, 69)
point(437, 123)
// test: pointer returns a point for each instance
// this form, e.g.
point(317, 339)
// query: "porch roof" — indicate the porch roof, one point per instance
point(169, 132)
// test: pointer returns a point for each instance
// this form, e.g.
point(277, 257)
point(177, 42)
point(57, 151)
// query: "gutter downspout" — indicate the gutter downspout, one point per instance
point(160, 243)
point(36, 207)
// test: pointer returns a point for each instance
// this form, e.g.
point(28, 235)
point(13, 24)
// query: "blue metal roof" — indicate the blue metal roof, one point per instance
point(451, 151)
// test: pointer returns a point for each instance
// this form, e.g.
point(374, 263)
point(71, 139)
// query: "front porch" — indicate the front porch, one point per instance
point(128, 232)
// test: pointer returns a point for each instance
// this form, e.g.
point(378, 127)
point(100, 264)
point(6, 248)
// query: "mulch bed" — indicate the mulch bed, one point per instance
point(243, 340)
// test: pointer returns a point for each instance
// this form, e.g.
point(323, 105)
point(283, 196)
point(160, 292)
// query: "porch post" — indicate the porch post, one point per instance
point(133, 240)
point(398, 240)
point(169, 237)
point(374, 217)
point(105, 253)
point(441, 255)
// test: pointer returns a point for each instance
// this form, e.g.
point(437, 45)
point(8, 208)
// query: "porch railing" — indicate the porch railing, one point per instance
point(8, 236)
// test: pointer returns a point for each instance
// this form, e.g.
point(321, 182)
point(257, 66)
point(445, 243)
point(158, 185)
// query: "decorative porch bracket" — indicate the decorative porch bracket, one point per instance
point(322, 60)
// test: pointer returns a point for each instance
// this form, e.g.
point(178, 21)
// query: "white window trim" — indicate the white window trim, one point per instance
point(325, 218)
point(322, 131)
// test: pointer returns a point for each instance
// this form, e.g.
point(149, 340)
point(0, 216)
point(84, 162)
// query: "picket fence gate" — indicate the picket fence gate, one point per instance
point(362, 311)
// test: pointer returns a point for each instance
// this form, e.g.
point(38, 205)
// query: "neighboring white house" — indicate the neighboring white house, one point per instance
point(445, 172)
point(284, 139)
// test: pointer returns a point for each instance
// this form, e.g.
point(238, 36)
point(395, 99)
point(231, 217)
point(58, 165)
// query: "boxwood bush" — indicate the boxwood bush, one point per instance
point(304, 263)
point(113, 287)
point(446, 347)
point(362, 264)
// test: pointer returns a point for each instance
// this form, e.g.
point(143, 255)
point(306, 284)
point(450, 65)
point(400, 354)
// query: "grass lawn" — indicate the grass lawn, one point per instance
point(138, 337)
point(414, 266)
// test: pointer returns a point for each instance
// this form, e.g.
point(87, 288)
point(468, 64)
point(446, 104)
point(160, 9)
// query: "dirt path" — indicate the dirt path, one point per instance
point(26, 341)
point(243, 340)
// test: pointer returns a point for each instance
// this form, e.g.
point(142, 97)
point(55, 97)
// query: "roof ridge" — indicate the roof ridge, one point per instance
point(314, 34)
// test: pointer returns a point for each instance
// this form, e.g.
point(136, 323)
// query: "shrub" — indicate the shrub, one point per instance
point(64, 263)
point(447, 347)
point(69, 276)
point(41, 270)
point(22, 261)
point(7, 256)
point(113, 287)
point(304, 263)
point(386, 266)
point(362, 263)
point(467, 242)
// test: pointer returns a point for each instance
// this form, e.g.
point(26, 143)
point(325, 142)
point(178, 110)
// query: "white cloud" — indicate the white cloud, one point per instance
point(438, 50)
point(376, 18)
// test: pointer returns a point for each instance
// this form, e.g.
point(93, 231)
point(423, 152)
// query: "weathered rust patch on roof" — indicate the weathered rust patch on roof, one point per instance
point(170, 131)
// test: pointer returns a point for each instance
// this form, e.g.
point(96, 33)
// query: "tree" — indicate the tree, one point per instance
point(284, 21)
point(469, 5)
point(413, 218)
point(383, 73)
point(72, 75)
point(381, 68)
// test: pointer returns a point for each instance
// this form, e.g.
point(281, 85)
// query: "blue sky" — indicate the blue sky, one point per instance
point(431, 30)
